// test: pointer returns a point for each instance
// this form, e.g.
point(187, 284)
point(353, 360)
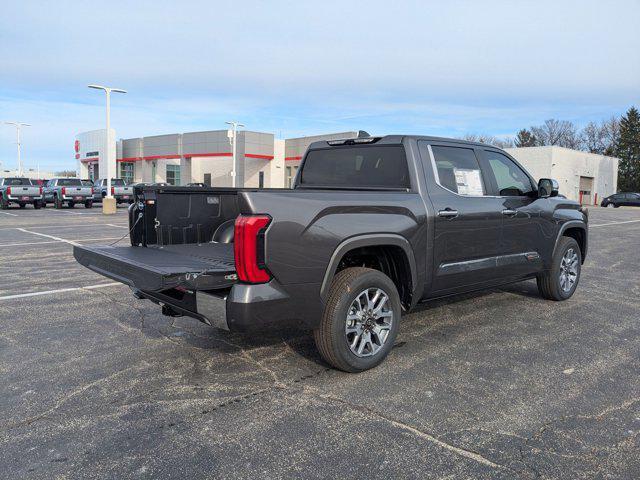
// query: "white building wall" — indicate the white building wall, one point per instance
point(219, 168)
point(567, 166)
point(276, 166)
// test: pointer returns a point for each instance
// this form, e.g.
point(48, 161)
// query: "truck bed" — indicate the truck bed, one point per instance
point(207, 266)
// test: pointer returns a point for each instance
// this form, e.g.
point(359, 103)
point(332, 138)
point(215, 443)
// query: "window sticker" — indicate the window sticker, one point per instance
point(468, 181)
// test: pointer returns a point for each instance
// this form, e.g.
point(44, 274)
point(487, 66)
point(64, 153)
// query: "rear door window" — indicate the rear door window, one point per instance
point(458, 170)
point(379, 166)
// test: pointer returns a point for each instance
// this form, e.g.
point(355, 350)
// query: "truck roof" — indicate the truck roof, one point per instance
point(395, 139)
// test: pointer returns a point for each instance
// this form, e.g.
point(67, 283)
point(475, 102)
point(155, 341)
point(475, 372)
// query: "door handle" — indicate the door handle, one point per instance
point(448, 213)
point(510, 213)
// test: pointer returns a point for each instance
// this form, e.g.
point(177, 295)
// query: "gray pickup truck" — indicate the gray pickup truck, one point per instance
point(20, 191)
point(70, 191)
point(372, 227)
point(119, 190)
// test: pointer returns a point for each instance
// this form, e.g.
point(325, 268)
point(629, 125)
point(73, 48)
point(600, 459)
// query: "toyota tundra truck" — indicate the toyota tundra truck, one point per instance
point(119, 190)
point(20, 191)
point(371, 227)
point(61, 191)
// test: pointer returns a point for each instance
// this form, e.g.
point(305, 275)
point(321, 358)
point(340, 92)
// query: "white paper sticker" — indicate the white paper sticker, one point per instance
point(468, 181)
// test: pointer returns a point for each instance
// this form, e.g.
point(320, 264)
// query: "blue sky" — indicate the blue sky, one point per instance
point(297, 68)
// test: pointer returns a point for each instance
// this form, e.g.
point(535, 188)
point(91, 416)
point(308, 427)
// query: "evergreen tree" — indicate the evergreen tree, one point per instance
point(628, 151)
point(525, 139)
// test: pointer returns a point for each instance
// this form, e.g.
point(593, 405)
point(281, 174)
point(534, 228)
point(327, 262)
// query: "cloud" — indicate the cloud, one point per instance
point(304, 68)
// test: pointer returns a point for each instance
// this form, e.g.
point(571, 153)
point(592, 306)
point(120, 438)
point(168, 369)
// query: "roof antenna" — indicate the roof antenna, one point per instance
point(363, 134)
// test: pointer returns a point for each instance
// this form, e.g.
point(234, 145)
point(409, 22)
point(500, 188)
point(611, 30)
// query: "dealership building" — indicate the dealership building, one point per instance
point(265, 161)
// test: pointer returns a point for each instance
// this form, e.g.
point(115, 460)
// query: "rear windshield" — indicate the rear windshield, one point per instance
point(357, 166)
point(69, 182)
point(17, 181)
point(87, 183)
point(117, 182)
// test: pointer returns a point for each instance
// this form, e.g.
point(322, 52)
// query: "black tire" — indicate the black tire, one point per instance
point(43, 204)
point(22, 204)
point(57, 202)
point(71, 204)
point(549, 284)
point(36, 205)
point(3, 203)
point(88, 204)
point(330, 337)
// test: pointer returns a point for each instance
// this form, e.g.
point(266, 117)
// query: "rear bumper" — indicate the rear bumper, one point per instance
point(18, 198)
point(246, 308)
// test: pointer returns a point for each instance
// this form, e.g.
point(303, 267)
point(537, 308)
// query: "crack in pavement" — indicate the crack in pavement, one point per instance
point(470, 454)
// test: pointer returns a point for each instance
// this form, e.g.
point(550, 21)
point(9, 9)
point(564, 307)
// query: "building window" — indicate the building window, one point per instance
point(290, 175)
point(173, 174)
point(126, 172)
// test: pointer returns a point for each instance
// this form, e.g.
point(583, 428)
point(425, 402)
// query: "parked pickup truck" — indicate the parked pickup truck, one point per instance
point(121, 192)
point(67, 190)
point(19, 190)
point(371, 227)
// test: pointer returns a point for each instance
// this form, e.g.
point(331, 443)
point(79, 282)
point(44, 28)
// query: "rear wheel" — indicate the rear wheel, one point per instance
point(71, 204)
point(561, 281)
point(360, 320)
point(57, 202)
point(610, 205)
point(22, 204)
point(36, 204)
point(88, 204)
point(4, 204)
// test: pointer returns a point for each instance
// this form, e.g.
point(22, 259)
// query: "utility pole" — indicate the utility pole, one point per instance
point(107, 91)
point(18, 126)
point(234, 169)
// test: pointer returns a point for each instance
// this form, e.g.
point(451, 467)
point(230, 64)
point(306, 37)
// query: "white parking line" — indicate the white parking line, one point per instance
point(70, 242)
point(119, 226)
point(56, 241)
point(60, 290)
point(614, 223)
point(7, 213)
point(94, 225)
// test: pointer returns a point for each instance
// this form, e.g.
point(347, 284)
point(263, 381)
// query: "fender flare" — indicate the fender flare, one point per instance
point(369, 240)
point(571, 224)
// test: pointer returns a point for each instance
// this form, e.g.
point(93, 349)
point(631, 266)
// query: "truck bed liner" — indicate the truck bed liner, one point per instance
point(193, 266)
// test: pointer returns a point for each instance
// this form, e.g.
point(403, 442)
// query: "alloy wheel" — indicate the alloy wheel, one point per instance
point(368, 323)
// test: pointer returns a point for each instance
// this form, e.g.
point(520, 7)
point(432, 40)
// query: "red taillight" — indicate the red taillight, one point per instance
point(64, 191)
point(40, 189)
point(248, 248)
point(8, 190)
point(113, 191)
point(92, 191)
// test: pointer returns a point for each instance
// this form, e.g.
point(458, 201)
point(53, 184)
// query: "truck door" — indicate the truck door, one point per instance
point(523, 232)
point(468, 221)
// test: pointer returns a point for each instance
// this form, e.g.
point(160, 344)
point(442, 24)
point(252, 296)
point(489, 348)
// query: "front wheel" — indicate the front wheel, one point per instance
point(360, 320)
point(57, 202)
point(561, 281)
point(36, 204)
point(4, 204)
point(610, 205)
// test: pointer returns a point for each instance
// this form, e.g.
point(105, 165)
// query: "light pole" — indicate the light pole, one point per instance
point(18, 126)
point(234, 129)
point(108, 91)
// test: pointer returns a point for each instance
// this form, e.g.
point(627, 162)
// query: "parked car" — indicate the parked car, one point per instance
point(371, 227)
point(19, 191)
point(119, 190)
point(67, 190)
point(197, 184)
point(625, 199)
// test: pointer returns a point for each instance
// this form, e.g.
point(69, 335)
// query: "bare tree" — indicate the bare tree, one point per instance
point(489, 140)
point(525, 139)
point(557, 132)
point(601, 137)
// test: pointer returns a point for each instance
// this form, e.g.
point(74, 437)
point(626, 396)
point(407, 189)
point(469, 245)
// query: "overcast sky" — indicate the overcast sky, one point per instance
point(296, 68)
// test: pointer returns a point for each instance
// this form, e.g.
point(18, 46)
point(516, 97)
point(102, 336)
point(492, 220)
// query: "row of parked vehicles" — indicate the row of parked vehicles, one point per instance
point(60, 192)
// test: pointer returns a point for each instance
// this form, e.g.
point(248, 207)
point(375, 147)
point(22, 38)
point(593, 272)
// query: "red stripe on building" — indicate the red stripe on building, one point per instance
point(292, 159)
point(90, 159)
point(192, 155)
point(255, 155)
point(214, 154)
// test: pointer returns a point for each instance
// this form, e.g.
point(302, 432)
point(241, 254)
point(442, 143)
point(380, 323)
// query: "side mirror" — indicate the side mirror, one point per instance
point(547, 187)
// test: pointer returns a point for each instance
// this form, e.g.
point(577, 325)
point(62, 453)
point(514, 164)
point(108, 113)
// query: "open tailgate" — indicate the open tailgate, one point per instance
point(207, 266)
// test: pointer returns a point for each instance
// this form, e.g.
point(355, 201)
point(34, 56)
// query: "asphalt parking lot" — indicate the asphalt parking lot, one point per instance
point(501, 384)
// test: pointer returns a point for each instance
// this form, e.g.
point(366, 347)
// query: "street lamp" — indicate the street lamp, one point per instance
point(234, 129)
point(108, 91)
point(18, 126)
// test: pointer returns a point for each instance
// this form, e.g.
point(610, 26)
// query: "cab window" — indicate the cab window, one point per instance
point(458, 170)
point(510, 178)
